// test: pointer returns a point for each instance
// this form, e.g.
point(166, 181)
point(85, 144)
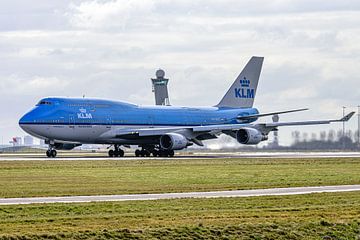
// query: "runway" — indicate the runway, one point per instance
point(181, 155)
point(217, 194)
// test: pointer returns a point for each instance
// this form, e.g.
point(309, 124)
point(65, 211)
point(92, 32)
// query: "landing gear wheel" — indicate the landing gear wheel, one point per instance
point(144, 153)
point(147, 153)
point(53, 153)
point(163, 153)
point(118, 153)
point(137, 153)
point(155, 153)
point(121, 153)
point(111, 153)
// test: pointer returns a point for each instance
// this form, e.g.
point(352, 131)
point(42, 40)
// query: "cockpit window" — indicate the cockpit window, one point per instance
point(44, 102)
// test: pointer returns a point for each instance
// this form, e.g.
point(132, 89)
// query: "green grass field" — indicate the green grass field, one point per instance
point(60, 178)
point(314, 216)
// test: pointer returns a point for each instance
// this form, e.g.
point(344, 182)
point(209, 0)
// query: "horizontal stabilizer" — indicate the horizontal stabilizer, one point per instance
point(247, 117)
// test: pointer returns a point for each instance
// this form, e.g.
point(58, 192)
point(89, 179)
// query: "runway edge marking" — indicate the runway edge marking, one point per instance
point(160, 196)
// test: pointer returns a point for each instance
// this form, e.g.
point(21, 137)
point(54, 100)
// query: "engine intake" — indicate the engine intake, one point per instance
point(250, 136)
point(173, 141)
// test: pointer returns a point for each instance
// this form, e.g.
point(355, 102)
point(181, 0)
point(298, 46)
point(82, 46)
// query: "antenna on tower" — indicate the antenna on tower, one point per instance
point(275, 119)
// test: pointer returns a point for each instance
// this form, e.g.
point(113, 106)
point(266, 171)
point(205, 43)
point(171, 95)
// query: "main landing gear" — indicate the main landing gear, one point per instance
point(155, 152)
point(117, 152)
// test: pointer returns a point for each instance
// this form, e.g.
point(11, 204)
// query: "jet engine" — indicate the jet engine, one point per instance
point(65, 146)
point(173, 141)
point(250, 136)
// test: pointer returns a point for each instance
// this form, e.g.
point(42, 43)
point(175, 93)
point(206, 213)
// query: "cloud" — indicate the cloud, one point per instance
point(111, 49)
point(16, 85)
point(100, 14)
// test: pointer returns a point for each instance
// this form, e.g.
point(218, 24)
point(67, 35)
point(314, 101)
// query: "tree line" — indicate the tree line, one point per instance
point(331, 139)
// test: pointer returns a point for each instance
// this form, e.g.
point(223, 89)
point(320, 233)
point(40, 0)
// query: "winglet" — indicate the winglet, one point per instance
point(347, 117)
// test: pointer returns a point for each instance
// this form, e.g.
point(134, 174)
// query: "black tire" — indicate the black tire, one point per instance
point(48, 153)
point(111, 153)
point(116, 153)
point(121, 153)
point(137, 153)
point(155, 153)
point(147, 153)
point(171, 153)
point(53, 153)
point(142, 153)
point(163, 153)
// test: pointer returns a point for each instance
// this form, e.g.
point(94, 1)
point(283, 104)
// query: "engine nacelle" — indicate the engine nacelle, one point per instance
point(250, 136)
point(173, 141)
point(65, 146)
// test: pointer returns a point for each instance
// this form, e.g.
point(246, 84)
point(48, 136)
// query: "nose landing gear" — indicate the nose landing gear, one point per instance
point(51, 153)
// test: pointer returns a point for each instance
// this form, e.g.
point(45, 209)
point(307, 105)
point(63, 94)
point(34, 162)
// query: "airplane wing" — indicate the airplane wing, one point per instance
point(278, 124)
point(271, 126)
point(191, 132)
point(158, 131)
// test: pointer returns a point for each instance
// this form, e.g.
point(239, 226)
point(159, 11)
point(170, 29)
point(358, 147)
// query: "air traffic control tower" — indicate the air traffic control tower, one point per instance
point(159, 87)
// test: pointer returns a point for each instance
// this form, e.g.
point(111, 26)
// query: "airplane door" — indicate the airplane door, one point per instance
point(71, 121)
point(108, 122)
point(150, 121)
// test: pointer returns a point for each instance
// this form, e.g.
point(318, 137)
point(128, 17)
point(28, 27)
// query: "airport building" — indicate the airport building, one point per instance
point(28, 140)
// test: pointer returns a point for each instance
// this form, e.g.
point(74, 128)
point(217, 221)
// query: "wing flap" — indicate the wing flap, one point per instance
point(142, 132)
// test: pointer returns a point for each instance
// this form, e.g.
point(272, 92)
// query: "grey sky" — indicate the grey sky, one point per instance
point(110, 49)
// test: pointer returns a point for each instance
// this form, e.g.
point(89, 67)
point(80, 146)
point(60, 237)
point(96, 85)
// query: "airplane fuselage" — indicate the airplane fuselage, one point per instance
point(86, 120)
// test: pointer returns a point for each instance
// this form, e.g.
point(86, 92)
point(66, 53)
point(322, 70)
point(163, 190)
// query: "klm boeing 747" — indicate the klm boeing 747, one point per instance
point(65, 123)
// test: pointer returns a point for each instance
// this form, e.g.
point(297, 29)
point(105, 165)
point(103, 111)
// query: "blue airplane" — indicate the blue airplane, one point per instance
point(65, 123)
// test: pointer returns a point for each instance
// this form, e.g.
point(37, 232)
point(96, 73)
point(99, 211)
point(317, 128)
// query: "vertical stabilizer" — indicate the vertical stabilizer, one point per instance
point(242, 92)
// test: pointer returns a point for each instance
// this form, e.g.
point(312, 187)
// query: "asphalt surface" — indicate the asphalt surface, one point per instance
point(182, 155)
point(218, 194)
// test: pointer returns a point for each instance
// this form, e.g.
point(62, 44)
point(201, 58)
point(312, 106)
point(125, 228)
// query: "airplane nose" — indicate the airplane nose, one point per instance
point(25, 119)
point(25, 122)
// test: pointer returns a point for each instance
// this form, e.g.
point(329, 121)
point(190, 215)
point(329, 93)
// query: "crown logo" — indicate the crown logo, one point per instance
point(82, 110)
point(245, 82)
